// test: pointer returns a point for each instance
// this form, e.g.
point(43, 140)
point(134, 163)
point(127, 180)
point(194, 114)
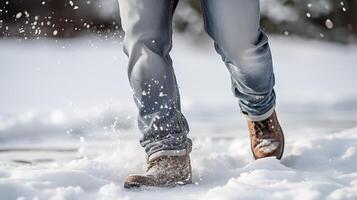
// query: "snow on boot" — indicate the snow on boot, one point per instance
point(266, 137)
point(163, 171)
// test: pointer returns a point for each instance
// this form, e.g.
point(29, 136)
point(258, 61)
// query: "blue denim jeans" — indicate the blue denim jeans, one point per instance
point(234, 27)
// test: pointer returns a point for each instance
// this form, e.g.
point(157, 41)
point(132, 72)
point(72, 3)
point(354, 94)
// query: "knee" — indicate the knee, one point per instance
point(146, 40)
point(250, 63)
point(243, 49)
point(256, 79)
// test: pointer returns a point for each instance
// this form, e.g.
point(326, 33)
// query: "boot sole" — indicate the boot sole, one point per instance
point(133, 185)
point(130, 185)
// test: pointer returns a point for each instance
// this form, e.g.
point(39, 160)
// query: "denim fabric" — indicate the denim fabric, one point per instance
point(234, 27)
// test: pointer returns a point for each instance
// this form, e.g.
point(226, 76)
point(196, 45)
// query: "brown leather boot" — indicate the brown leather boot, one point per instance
point(266, 138)
point(163, 171)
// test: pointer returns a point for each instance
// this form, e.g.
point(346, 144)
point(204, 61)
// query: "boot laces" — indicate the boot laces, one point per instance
point(261, 125)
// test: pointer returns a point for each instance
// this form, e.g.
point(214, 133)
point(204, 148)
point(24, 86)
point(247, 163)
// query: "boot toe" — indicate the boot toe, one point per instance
point(135, 181)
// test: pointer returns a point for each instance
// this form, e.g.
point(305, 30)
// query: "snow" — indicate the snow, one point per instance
point(267, 145)
point(18, 15)
point(329, 24)
point(67, 123)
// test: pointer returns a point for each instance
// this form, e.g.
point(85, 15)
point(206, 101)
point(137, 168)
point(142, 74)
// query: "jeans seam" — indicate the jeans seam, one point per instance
point(204, 15)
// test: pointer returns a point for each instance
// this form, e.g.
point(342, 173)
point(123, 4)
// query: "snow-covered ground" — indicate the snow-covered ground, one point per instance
point(67, 123)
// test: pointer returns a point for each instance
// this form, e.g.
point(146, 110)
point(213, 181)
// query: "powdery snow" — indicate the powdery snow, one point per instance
point(67, 123)
point(315, 166)
point(267, 145)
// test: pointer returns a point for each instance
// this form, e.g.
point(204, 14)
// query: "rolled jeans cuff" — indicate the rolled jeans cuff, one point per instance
point(256, 118)
point(179, 152)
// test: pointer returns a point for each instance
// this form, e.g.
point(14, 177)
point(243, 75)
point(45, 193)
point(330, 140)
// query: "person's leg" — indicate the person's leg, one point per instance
point(147, 42)
point(234, 27)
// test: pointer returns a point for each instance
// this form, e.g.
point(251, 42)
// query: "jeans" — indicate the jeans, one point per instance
point(234, 27)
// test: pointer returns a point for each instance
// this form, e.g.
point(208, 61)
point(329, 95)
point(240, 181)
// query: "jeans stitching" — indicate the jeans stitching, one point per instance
point(204, 16)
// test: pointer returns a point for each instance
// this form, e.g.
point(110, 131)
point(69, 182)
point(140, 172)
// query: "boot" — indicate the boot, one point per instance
point(164, 171)
point(266, 138)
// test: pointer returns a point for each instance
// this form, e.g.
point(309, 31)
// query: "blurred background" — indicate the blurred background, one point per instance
point(319, 19)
